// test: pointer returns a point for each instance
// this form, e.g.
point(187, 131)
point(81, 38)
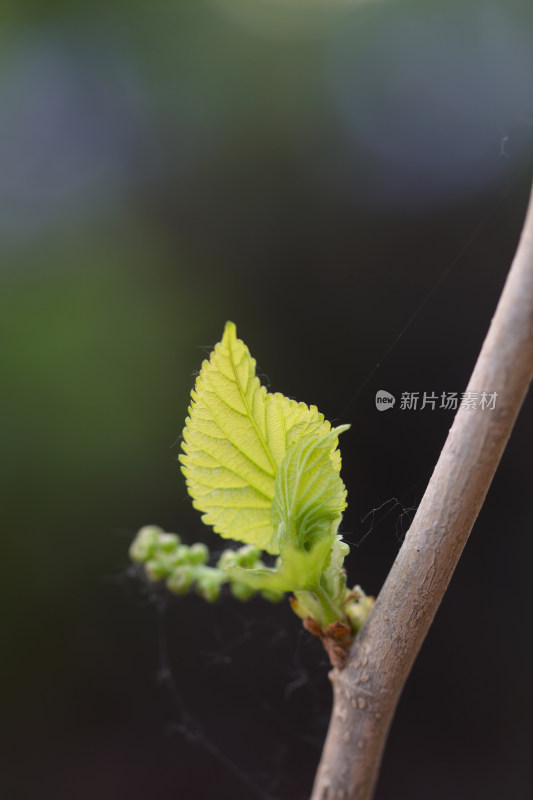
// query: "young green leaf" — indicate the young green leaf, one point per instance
point(309, 498)
point(235, 438)
point(308, 492)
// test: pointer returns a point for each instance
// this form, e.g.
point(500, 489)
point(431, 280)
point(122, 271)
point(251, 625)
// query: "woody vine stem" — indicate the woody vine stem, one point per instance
point(367, 690)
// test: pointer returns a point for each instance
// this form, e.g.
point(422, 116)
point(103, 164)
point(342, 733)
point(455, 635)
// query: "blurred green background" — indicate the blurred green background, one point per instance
point(316, 172)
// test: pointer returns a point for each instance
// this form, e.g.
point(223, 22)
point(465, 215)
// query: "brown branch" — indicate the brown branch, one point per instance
point(366, 692)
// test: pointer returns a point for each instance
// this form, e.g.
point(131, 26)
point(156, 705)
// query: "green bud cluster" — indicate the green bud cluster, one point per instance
point(184, 567)
point(181, 566)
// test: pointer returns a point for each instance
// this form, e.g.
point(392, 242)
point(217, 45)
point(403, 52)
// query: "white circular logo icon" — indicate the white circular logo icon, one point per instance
point(384, 400)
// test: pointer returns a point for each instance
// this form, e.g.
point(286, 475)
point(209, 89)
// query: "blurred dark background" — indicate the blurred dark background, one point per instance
point(328, 176)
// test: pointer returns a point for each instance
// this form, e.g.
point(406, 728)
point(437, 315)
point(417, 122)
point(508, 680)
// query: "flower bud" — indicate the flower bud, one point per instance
point(168, 542)
point(227, 560)
point(145, 543)
point(156, 569)
point(247, 556)
point(181, 579)
point(180, 557)
point(209, 583)
point(198, 553)
point(358, 611)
